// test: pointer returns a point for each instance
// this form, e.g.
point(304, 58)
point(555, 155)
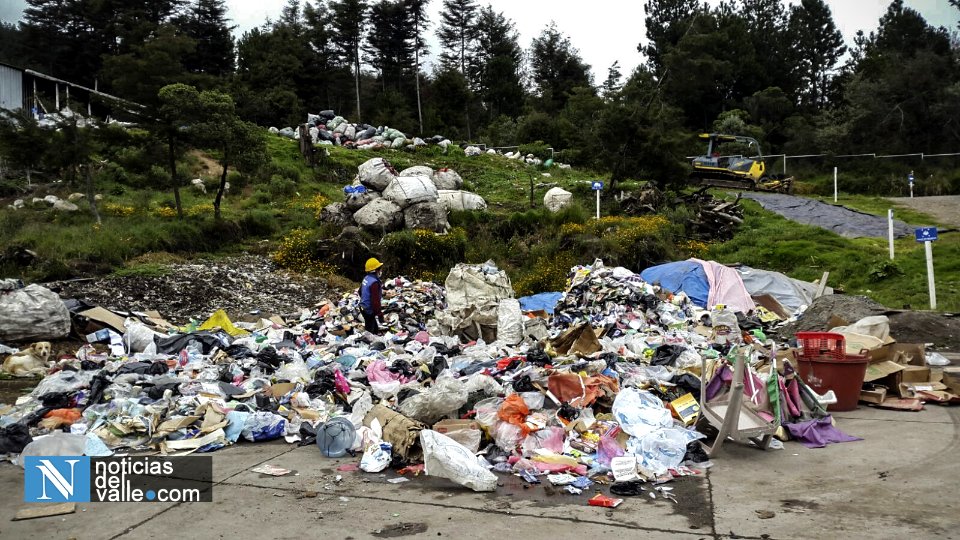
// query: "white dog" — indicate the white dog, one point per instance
point(29, 362)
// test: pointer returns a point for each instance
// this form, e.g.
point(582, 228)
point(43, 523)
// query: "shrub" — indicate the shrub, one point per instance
point(539, 149)
point(259, 223)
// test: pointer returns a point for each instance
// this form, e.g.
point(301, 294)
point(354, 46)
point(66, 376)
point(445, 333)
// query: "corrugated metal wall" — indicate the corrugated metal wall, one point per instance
point(11, 88)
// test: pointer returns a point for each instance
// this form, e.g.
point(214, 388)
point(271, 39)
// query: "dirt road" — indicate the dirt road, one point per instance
point(945, 208)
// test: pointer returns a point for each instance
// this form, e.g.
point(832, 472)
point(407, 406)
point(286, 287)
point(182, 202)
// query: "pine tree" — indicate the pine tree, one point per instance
point(496, 67)
point(666, 22)
point(349, 21)
point(457, 32)
point(206, 23)
point(612, 84)
point(817, 47)
point(417, 11)
point(556, 68)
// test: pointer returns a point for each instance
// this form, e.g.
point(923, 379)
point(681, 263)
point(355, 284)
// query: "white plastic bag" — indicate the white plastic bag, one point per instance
point(662, 449)
point(937, 359)
point(446, 396)
point(57, 443)
point(408, 190)
point(639, 412)
point(446, 458)
point(469, 438)
point(376, 457)
point(31, 313)
point(138, 336)
point(509, 321)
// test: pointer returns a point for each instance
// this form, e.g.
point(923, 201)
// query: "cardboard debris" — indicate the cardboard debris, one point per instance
point(271, 470)
point(40, 510)
point(106, 317)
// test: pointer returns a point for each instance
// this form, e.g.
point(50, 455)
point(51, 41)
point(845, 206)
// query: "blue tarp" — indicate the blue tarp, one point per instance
point(540, 302)
point(685, 276)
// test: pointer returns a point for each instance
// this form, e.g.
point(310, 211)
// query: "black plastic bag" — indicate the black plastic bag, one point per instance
point(14, 438)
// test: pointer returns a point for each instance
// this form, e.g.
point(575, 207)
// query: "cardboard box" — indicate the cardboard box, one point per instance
point(951, 378)
point(918, 389)
point(915, 374)
point(881, 371)
point(875, 394)
point(913, 354)
point(686, 409)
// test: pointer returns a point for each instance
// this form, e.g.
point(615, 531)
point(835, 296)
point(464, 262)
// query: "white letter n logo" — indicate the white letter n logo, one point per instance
point(51, 473)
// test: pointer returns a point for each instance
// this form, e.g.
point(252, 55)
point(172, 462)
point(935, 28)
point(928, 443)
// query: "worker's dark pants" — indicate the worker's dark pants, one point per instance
point(370, 323)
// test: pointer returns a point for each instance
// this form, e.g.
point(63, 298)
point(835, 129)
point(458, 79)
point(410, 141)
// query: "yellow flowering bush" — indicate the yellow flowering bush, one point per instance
point(316, 204)
point(120, 210)
point(548, 274)
point(165, 212)
point(695, 248)
point(295, 253)
point(199, 209)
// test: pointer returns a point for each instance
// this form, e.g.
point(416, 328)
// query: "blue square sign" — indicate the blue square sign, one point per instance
point(56, 479)
point(596, 186)
point(925, 234)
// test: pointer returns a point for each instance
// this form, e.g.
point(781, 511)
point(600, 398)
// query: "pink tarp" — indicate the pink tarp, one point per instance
point(726, 287)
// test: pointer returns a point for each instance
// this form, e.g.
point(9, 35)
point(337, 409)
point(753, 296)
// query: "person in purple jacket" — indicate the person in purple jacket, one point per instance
point(371, 297)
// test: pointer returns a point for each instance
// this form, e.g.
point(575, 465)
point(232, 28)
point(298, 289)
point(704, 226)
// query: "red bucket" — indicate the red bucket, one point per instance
point(824, 365)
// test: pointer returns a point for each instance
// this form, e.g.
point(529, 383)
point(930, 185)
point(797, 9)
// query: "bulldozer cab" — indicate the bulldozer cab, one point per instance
point(722, 166)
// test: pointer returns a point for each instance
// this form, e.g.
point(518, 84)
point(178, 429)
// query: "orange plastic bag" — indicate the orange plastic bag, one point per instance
point(60, 417)
point(515, 411)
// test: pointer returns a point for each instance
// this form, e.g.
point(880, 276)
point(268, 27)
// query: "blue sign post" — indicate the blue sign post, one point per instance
point(910, 179)
point(597, 186)
point(927, 235)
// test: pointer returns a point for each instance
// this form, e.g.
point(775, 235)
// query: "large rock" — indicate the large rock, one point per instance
point(417, 170)
point(409, 190)
point(376, 174)
point(460, 200)
point(447, 179)
point(429, 215)
point(380, 215)
point(556, 199)
point(336, 213)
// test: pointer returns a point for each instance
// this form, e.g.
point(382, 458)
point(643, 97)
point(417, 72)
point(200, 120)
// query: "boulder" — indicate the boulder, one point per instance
point(336, 213)
point(429, 215)
point(405, 191)
point(74, 197)
point(447, 179)
point(376, 174)
point(51, 199)
point(556, 199)
point(417, 170)
point(379, 215)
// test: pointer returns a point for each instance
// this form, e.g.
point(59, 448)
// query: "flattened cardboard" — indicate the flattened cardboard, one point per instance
point(44, 510)
point(909, 390)
point(107, 317)
point(881, 370)
point(902, 404)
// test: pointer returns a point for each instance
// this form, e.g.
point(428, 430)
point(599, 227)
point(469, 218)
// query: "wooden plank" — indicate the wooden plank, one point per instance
point(44, 510)
point(823, 285)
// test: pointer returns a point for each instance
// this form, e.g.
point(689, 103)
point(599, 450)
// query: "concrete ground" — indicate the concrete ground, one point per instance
point(899, 482)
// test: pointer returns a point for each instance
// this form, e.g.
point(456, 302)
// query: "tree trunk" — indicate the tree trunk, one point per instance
point(90, 195)
point(223, 186)
point(416, 72)
point(172, 163)
point(28, 176)
point(356, 76)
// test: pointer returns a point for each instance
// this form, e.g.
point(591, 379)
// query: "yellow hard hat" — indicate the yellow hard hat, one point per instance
point(372, 264)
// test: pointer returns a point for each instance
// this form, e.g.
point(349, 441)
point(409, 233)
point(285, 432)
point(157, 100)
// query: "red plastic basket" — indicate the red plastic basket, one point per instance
point(821, 345)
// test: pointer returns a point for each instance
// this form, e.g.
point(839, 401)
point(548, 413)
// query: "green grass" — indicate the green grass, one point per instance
point(857, 266)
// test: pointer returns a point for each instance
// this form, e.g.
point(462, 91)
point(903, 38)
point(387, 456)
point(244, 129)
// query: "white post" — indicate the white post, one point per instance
point(890, 230)
point(598, 204)
point(928, 247)
point(56, 87)
point(784, 165)
point(834, 184)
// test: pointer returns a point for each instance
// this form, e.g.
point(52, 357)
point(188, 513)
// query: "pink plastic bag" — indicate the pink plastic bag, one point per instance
point(608, 448)
point(341, 382)
point(550, 438)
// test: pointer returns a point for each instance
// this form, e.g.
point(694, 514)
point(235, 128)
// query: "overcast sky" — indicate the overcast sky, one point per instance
point(604, 32)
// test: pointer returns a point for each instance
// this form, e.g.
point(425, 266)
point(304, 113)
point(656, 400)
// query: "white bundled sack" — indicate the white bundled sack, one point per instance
point(407, 190)
point(476, 285)
point(446, 458)
point(453, 199)
point(376, 174)
point(556, 199)
point(31, 313)
point(417, 170)
point(509, 321)
point(447, 179)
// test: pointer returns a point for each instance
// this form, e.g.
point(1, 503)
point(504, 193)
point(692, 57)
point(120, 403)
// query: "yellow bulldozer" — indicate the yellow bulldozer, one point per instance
point(735, 171)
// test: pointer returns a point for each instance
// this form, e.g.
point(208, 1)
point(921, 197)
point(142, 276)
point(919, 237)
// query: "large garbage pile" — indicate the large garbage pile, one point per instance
point(606, 391)
point(383, 200)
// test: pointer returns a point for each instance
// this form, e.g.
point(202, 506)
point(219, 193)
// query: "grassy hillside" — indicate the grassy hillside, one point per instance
point(277, 214)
